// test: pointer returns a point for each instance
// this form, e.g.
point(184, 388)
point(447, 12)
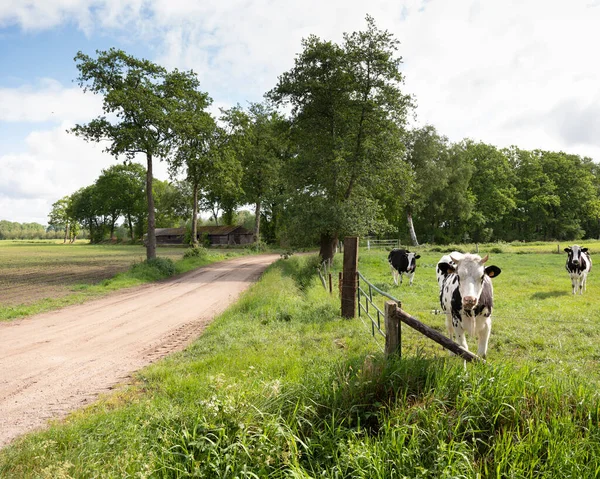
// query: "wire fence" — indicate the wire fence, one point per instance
point(376, 316)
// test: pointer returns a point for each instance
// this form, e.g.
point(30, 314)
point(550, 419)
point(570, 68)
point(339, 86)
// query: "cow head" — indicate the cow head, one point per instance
point(412, 260)
point(471, 274)
point(575, 253)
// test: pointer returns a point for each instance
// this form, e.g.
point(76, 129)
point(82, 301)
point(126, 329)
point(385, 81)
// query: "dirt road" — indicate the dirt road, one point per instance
point(53, 363)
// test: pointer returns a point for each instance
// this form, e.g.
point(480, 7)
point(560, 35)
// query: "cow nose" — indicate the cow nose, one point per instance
point(469, 302)
point(576, 262)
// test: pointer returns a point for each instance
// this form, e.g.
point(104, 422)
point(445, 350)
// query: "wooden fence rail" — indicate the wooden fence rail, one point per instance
point(393, 316)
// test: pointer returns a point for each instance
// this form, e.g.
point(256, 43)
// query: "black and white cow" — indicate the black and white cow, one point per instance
point(579, 264)
point(467, 297)
point(403, 262)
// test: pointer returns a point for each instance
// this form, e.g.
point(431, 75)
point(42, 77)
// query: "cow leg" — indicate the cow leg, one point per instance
point(584, 281)
point(449, 326)
point(394, 275)
point(459, 331)
point(461, 338)
point(574, 284)
point(484, 328)
point(401, 275)
point(410, 277)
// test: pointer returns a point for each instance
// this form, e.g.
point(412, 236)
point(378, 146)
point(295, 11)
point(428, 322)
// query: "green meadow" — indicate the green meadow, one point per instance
point(280, 386)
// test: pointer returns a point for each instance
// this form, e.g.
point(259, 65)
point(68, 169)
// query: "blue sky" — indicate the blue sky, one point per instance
point(520, 72)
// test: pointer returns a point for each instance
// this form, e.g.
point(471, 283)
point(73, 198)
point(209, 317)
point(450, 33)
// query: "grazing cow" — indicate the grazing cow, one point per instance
point(579, 264)
point(466, 296)
point(403, 262)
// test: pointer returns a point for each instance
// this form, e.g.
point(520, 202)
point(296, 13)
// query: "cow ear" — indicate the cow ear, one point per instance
point(492, 271)
point(568, 250)
point(417, 256)
point(584, 250)
point(446, 268)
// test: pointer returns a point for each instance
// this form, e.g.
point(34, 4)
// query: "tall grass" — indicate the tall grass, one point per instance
point(280, 386)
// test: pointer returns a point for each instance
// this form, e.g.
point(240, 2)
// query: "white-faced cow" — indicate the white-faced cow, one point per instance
point(466, 296)
point(403, 262)
point(579, 264)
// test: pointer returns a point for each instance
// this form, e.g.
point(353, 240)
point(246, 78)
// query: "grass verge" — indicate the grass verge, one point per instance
point(280, 386)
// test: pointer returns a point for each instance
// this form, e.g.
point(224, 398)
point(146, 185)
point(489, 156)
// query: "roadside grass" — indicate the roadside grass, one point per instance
point(39, 259)
point(280, 386)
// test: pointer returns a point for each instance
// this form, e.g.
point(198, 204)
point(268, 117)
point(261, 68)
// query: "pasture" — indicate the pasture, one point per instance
point(37, 276)
point(536, 319)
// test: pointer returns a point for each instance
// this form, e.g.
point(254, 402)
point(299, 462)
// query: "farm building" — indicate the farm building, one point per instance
point(217, 235)
point(169, 235)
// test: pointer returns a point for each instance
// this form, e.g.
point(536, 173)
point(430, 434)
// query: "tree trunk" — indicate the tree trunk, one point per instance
point(256, 237)
point(195, 215)
point(328, 246)
point(66, 233)
point(91, 230)
point(151, 241)
point(130, 227)
point(411, 229)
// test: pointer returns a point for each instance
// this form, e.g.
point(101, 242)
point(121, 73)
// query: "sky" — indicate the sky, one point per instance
point(510, 72)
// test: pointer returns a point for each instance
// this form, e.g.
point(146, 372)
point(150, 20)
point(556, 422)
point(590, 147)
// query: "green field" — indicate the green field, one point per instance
point(280, 386)
point(536, 317)
point(38, 276)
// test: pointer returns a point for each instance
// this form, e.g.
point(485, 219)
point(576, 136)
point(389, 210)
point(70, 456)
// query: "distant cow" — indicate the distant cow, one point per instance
point(403, 262)
point(579, 264)
point(466, 296)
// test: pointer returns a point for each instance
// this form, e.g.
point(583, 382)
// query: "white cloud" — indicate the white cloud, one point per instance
point(501, 72)
point(48, 101)
point(517, 72)
point(55, 164)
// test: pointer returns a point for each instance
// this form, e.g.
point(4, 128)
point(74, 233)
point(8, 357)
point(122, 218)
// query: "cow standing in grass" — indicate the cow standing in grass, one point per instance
point(579, 264)
point(403, 262)
point(466, 296)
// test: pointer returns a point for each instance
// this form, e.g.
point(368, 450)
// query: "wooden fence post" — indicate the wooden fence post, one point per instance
point(392, 329)
point(349, 279)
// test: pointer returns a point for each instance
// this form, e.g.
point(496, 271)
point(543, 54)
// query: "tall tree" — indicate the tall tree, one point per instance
point(121, 189)
point(348, 114)
point(58, 217)
point(143, 104)
point(205, 153)
point(427, 156)
point(492, 186)
point(259, 139)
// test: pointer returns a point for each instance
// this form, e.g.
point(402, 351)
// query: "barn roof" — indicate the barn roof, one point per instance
point(223, 230)
point(169, 231)
point(211, 230)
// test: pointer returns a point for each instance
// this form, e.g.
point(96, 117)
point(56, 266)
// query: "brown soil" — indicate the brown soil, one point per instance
point(53, 363)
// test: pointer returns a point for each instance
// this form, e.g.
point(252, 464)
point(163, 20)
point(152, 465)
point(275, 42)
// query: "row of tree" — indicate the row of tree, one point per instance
point(11, 230)
point(116, 202)
point(341, 161)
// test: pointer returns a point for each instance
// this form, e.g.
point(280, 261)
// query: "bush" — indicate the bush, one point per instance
point(153, 269)
point(258, 247)
point(195, 252)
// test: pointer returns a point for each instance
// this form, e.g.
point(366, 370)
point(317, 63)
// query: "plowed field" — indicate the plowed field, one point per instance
point(33, 271)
